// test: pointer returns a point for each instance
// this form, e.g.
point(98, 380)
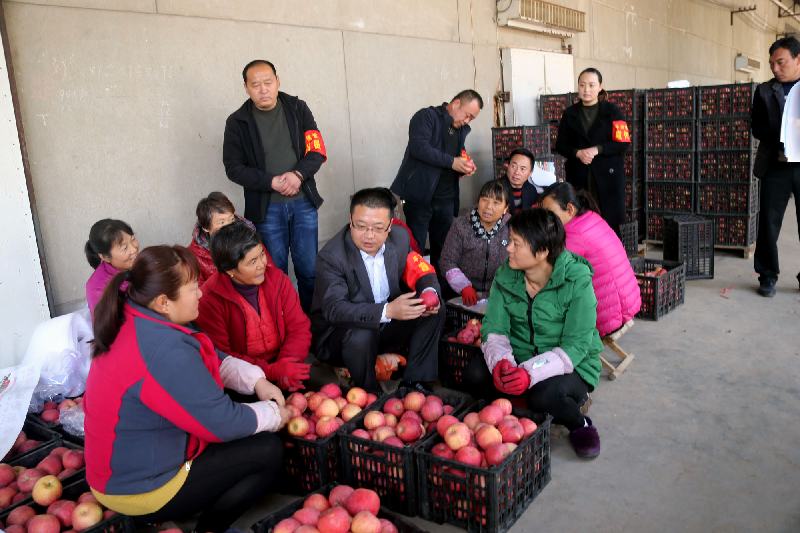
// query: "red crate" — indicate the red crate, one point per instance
point(669, 135)
point(731, 133)
point(534, 138)
point(552, 106)
point(674, 166)
point(735, 230)
point(630, 102)
point(675, 197)
point(500, 168)
point(731, 166)
point(634, 194)
point(725, 100)
point(670, 104)
point(728, 198)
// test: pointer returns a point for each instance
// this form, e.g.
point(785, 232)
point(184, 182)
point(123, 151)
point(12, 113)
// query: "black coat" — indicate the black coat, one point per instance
point(607, 167)
point(766, 116)
point(425, 158)
point(529, 194)
point(243, 155)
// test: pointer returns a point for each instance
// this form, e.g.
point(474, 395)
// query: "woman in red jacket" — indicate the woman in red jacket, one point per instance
point(251, 310)
point(213, 212)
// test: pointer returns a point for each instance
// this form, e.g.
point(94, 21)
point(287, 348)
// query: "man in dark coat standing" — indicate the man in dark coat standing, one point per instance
point(433, 163)
point(368, 297)
point(273, 149)
point(779, 178)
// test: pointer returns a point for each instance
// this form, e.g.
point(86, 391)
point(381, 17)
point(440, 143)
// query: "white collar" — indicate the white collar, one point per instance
point(365, 255)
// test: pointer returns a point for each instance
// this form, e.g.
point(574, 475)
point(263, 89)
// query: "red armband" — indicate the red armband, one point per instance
point(416, 267)
point(314, 143)
point(620, 132)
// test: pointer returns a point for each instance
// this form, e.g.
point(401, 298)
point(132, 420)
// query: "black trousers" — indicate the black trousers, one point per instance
point(433, 220)
point(561, 396)
point(776, 188)
point(224, 481)
point(358, 349)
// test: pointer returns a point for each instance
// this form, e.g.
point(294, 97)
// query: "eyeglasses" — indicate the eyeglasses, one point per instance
point(365, 229)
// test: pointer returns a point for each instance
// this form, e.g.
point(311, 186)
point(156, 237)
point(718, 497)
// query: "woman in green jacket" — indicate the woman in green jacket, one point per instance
point(539, 337)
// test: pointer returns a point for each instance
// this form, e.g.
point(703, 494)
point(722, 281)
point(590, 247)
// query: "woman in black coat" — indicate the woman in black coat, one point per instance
point(592, 136)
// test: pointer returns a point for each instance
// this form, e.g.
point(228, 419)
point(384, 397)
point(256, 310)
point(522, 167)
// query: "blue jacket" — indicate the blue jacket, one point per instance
point(425, 158)
point(529, 195)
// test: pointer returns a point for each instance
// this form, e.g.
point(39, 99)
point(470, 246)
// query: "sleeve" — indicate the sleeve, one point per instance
point(759, 121)
point(497, 348)
point(337, 310)
point(180, 388)
point(297, 326)
point(239, 375)
point(419, 274)
point(314, 153)
point(563, 145)
point(235, 161)
point(580, 322)
point(457, 280)
point(451, 251)
point(619, 130)
point(419, 140)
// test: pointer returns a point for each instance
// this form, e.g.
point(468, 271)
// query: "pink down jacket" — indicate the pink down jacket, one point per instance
point(615, 286)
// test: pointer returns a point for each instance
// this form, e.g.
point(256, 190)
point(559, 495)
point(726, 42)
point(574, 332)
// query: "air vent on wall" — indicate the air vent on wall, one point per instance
point(746, 64)
point(540, 17)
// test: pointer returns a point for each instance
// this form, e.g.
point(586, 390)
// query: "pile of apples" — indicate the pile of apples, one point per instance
point(484, 438)
point(51, 411)
point(344, 510)
point(319, 414)
point(404, 420)
point(18, 482)
point(471, 334)
point(657, 273)
point(60, 514)
point(21, 445)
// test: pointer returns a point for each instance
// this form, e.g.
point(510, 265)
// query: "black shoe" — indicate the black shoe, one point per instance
point(767, 288)
point(416, 386)
point(798, 278)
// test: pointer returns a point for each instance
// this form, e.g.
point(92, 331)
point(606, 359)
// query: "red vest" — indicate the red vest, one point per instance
point(263, 341)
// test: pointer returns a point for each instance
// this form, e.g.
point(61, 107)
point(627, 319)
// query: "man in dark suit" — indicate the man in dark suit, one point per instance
point(779, 178)
point(368, 297)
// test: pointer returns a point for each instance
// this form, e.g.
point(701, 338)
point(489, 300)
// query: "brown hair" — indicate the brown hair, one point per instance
point(216, 202)
point(157, 270)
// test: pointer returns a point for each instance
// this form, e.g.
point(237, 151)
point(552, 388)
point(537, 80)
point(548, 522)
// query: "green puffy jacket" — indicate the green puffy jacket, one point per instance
point(562, 315)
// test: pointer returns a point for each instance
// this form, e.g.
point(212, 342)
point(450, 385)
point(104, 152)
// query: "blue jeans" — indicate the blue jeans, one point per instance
point(293, 225)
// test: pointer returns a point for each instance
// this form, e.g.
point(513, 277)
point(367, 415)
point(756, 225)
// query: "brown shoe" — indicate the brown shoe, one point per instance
point(586, 405)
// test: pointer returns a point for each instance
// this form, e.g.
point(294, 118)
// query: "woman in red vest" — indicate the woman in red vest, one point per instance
point(251, 310)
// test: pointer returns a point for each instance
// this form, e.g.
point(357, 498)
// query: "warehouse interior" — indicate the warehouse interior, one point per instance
point(116, 108)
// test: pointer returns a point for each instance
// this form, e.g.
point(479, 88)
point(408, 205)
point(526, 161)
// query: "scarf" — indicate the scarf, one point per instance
point(478, 228)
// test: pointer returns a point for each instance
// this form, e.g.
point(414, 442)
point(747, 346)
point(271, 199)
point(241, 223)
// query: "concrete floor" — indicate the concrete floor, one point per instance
point(700, 433)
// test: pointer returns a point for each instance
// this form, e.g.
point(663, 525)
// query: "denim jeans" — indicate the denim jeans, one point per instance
point(293, 226)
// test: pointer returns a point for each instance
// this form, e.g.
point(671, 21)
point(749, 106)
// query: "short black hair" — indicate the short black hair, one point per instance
point(591, 70)
point(374, 198)
point(564, 194)
point(102, 238)
point(215, 202)
point(231, 243)
point(541, 230)
point(523, 151)
point(257, 62)
point(495, 190)
point(790, 43)
point(468, 95)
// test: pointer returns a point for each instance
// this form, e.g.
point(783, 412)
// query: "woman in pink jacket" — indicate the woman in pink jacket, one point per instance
point(588, 235)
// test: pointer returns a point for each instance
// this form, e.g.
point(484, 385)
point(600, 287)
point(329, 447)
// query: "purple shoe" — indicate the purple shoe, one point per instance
point(585, 440)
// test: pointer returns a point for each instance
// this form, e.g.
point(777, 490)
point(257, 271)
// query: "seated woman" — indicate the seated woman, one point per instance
point(588, 235)
point(522, 193)
point(111, 249)
point(163, 441)
point(213, 212)
point(538, 335)
point(476, 244)
point(250, 309)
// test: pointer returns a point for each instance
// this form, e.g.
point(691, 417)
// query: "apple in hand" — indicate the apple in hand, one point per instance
point(430, 299)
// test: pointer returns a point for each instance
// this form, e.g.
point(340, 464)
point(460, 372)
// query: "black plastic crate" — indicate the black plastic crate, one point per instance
point(485, 499)
point(669, 135)
point(118, 523)
point(660, 294)
point(553, 126)
point(560, 169)
point(637, 215)
point(634, 194)
point(725, 100)
point(689, 239)
point(630, 102)
point(670, 104)
point(34, 457)
point(57, 427)
point(388, 470)
point(632, 165)
point(534, 138)
point(537, 139)
point(34, 431)
point(629, 235)
point(265, 525)
point(669, 166)
point(456, 317)
point(728, 198)
point(733, 230)
point(500, 168)
point(636, 131)
point(729, 133)
point(728, 166)
point(654, 230)
point(673, 197)
point(552, 106)
point(454, 357)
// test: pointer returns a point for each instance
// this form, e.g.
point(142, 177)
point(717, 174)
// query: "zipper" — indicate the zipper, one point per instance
point(530, 324)
point(409, 177)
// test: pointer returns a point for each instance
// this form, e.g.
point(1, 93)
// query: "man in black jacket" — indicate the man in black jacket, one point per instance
point(369, 297)
point(779, 178)
point(272, 148)
point(432, 165)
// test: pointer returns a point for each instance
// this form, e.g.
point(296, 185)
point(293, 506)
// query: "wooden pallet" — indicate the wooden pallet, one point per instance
point(747, 251)
point(610, 340)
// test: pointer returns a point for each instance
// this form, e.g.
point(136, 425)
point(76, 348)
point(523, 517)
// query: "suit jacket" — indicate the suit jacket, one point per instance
point(342, 292)
point(766, 115)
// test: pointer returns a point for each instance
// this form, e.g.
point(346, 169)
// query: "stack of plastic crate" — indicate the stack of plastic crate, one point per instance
point(631, 103)
point(727, 191)
point(506, 140)
point(551, 107)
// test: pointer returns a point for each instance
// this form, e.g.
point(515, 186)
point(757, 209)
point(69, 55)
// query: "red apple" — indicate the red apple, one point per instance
point(73, 459)
point(349, 411)
point(306, 516)
point(62, 509)
point(87, 497)
point(65, 473)
point(362, 434)
point(496, 453)
point(332, 390)
point(445, 422)
point(413, 401)
point(448, 409)
point(44, 523)
point(365, 522)
point(387, 527)
point(409, 430)
point(318, 502)
point(108, 513)
point(433, 398)
point(59, 452)
point(334, 520)
point(430, 299)
point(443, 450)
point(18, 442)
point(358, 396)
point(468, 455)
point(18, 470)
point(466, 336)
point(19, 497)
point(504, 404)
point(15, 529)
point(326, 426)
point(374, 420)
point(298, 426)
point(457, 436)
point(50, 415)
point(86, 515)
point(491, 414)
point(411, 414)
point(20, 516)
point(394, 406)
point(294, 410)
point(339, 494)
point(316, 400)
point(528, 426)
point(371, 398)
point(28, 479)
point(340, 403)
point(66, 404)
point(394, 441)
point(49, 405)
point(390, 420)
point(363, 500)
point(432, 411)
point(7, 475)
point(50, 465)
point(288, 525)
point(488, 436)
point(306, 529)
point(511, 430)
point(327, 407)
point(384, 432)
point(28, 445)
point(474, 323)
point(298, 400)
point(47, 490)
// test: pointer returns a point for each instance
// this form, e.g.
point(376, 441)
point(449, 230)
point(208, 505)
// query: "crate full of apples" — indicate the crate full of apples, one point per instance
point(456, 350)
point(59, 459)
point(378, 448)
point(56, 507)
point(50, 417)
point(312, 458)
point(30, 438)
point(482, 471)
point(336, 509)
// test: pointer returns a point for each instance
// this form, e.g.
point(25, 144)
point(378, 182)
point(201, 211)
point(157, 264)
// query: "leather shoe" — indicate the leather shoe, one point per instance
point(767, 288)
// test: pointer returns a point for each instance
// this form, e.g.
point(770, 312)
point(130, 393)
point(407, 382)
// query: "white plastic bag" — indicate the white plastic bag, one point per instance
point(72, 420)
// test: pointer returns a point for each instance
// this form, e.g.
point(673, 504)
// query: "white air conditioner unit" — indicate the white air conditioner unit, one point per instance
point(540, 17)
point(746, 64)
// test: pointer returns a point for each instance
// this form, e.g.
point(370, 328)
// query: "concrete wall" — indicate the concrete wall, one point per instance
point(124, 101)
